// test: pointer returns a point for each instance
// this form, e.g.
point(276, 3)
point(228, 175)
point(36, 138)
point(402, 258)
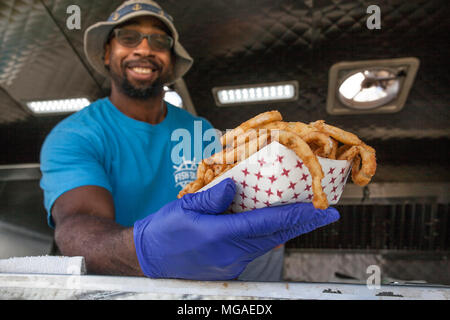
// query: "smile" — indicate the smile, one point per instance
point(141, 70)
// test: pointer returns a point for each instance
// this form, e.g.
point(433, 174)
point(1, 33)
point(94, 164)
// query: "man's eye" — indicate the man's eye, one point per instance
point(129, 38)
point(160, 41)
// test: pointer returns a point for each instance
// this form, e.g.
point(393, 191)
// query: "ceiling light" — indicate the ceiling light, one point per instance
point(251, 94)
point(58, 106)
point(376, 86)
point(369, 89)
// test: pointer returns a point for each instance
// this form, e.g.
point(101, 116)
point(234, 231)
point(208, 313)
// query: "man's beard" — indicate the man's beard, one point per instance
point(141, 93)
point(144, 93)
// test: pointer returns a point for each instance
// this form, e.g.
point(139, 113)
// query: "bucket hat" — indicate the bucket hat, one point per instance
point(96, 36)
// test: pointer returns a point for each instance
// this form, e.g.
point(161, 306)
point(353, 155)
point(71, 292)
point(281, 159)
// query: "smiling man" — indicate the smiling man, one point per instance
point(135, 73)
point(110, 184)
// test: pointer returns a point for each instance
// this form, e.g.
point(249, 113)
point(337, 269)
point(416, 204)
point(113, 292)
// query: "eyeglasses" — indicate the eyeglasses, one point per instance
point(132, 38)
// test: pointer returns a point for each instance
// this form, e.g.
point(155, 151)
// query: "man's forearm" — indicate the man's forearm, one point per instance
point(107, 247)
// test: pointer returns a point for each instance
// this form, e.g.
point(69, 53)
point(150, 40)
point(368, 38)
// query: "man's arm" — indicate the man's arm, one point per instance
point(85, 226)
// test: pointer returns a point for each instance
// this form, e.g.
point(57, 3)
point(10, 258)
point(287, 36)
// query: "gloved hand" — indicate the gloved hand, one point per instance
point(189, 238)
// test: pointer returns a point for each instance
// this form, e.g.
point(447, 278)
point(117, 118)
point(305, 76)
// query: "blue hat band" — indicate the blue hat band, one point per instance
point(137, 7)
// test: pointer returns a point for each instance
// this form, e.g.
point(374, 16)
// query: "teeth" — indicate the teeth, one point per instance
point(142, 70)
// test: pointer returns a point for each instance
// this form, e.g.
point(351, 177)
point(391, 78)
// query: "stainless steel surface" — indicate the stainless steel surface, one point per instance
point(379, 192)
point(250, 42)
point(15, 286)
point(19, 241)
point(10, 109)
point(350, 266)
point(20, 172)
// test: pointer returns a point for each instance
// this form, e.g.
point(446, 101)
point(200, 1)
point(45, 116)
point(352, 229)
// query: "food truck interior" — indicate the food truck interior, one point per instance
point(399, 222)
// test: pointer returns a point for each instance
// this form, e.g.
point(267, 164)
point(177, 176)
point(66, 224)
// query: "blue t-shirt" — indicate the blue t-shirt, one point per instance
point(144, 166)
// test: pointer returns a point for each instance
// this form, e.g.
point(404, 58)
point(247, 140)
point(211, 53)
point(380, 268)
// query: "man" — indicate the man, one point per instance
point(108, 176)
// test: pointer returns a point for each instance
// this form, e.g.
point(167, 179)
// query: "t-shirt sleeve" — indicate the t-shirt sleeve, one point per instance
point(69, 160)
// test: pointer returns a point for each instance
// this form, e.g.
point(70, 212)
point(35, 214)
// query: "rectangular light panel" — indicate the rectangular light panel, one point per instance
point(58, 106)
point(251, 94)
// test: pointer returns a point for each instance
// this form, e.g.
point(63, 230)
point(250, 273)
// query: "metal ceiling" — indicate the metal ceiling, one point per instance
point(236, 42)
point(10, 109)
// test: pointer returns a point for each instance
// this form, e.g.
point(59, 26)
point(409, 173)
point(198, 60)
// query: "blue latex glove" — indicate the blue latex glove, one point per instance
point(190, 239)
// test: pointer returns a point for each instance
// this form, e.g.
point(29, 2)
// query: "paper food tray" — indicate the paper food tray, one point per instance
point(275, 175)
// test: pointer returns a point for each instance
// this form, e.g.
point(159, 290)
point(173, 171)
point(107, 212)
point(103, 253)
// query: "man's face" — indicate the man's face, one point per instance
point(139, 72)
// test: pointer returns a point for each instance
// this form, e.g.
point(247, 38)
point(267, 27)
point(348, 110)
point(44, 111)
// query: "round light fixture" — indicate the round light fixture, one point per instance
point(370, 88)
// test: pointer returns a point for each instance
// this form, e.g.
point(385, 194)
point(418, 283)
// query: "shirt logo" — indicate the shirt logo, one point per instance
point(185, 173)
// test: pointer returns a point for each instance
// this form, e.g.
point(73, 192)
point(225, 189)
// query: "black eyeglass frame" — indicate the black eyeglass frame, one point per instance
point(149, 37)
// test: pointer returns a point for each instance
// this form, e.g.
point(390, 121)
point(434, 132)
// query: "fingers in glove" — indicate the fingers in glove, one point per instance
point(271, 240)
point(215, 200)
point(294, 218)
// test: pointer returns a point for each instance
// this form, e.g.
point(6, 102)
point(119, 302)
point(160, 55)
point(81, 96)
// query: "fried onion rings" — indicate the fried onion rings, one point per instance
point(259, 120)
point(307, 140)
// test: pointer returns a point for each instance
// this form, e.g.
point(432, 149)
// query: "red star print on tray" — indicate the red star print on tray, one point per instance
point(275, 176)
point(285, 173)
point(269, 192)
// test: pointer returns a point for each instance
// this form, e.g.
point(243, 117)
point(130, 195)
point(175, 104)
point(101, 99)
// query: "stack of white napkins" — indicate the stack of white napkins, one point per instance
point(44, 265)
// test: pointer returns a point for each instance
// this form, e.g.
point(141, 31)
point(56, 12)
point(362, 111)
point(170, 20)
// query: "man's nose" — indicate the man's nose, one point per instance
point(143, 48)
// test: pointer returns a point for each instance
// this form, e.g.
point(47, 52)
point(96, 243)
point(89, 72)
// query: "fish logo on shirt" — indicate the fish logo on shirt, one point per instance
point(185, 173)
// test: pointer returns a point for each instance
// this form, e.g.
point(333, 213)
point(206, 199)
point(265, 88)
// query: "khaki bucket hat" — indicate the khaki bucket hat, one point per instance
point(96, 35)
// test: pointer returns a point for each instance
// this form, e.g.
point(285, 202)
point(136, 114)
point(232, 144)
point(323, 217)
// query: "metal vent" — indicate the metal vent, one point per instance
point(407, 225)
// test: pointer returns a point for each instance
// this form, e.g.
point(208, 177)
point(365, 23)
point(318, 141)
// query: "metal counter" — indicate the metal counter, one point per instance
point(89, 287)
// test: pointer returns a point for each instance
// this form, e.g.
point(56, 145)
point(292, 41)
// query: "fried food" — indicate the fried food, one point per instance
point(334, 148)
point(348, 153)
point(259, 120)
point(364, 166)
point(320, 141)
point(308, 141)
point(304, 152)
point(338, 134)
